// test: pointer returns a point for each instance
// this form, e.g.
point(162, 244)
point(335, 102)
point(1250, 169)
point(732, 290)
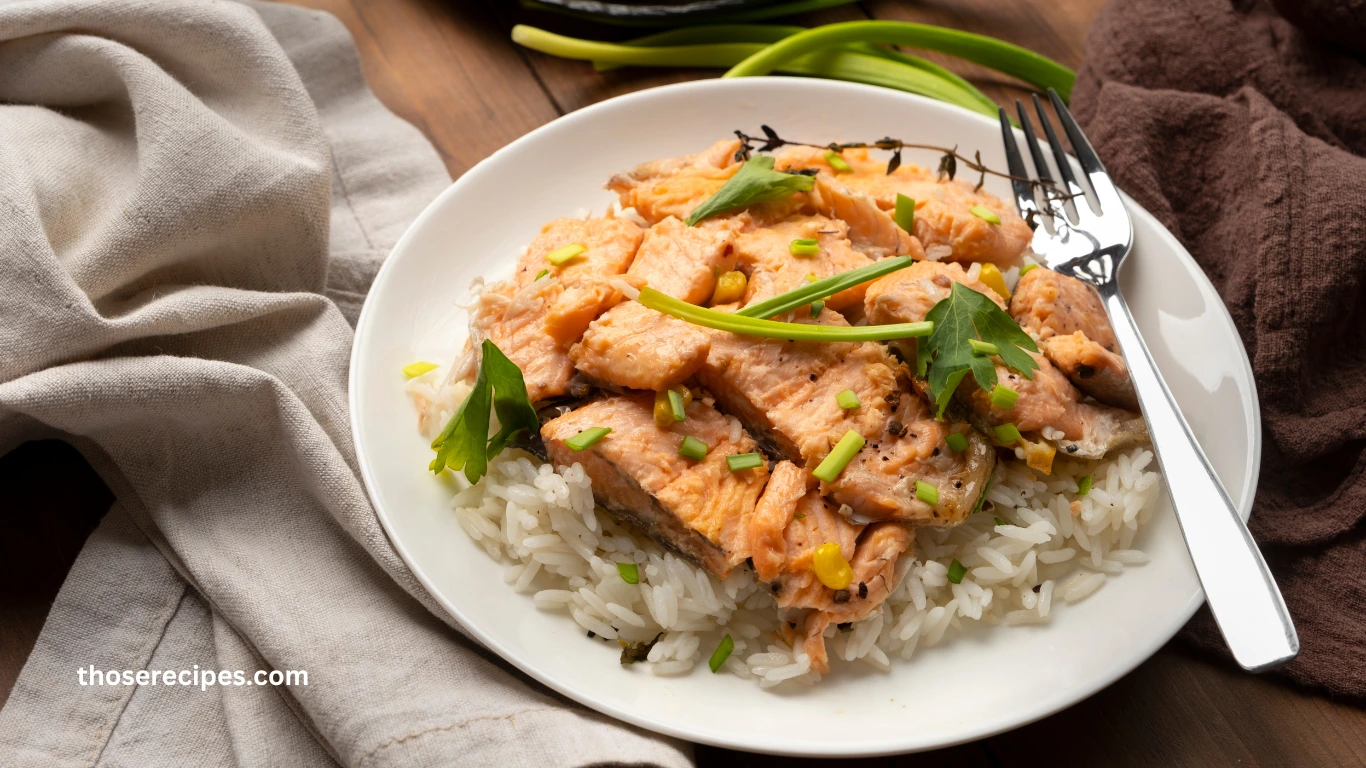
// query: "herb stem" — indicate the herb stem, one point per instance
point(819, 289)
point(749, 326)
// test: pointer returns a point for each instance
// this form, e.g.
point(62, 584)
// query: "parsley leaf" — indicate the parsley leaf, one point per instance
point(755, 182)
point(968, 315)
point(465, 442)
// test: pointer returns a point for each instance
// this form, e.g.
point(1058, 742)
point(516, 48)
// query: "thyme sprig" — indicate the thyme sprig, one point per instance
point(948, 161)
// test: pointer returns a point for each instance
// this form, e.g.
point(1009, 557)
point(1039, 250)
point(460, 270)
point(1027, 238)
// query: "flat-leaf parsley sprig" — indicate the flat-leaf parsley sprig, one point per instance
point(465, 442)
point(968, 324)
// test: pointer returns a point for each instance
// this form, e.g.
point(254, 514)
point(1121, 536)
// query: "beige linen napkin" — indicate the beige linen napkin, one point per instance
point(180, 184)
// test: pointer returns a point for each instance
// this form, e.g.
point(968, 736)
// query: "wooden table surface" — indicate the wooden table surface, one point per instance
point(449, 68)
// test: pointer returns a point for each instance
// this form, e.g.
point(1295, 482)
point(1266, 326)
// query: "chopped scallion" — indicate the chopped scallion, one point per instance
point(413, 370)
point(561, 255)
point(983, 348)
point(587, 437)
point(999, 521)
point(541, 274)
point(693, 448)
point(1008, 433)
point(905, 213)
point(722, 652)
point(985, 214)
point(956, 441)
point(1004, 397)
point(1084, 485)
point(816, 308)
point(847, 399)
point(1025, 269)
point(676, 405)
point(926, 492)
point(807, 246)
point(840, 456)
point(819, 289)
point(737, 462)
point(957, 571)
point(629, 573)
point(751, 326)
point(837, 162)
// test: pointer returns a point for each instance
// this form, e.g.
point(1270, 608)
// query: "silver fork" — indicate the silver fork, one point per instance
point(1090, 243)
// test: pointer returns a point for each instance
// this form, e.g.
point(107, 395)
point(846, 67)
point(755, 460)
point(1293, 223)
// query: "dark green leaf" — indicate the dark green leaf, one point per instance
point(755, 182)
point(465, 443)
point(963, 317)
point(510, 399)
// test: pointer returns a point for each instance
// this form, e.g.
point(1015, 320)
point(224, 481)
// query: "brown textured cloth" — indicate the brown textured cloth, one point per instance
point(1245, 135)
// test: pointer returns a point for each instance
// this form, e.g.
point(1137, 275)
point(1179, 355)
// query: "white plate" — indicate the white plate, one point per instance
point(983, 683)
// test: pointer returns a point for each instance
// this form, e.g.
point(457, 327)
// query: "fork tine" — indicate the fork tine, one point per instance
point(1024, 192)
point(1064, 165)
point(1026, 125)
point(1090, 162)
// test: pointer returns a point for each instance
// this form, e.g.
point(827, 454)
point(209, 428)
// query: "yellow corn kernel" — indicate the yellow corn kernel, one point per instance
point(992, 278)
point(730, 288)
point(831, 567)
point(663, 412)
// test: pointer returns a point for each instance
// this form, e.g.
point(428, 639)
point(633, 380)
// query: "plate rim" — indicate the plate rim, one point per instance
point(586, 699)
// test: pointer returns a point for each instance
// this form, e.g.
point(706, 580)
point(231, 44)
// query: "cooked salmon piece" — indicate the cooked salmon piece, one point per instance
point(764, 254)
point(784, 392)
point(683, 261)
point(699, 509)
point(674, 186)
point(945, 225)
point(871, 229)
point(634, 347)
point(514, 320)
point(1047, 402)
point(1068, 319)
point(787, 485)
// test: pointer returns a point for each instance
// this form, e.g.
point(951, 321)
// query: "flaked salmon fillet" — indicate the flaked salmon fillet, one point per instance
point(871, 229)
point(944, 223)
point(631, 346)
point(784, 392)
point(682, 261)
point(1068, 319)
point(699, 509)
point(514, 320)
point(764, 253)
point(674, 186)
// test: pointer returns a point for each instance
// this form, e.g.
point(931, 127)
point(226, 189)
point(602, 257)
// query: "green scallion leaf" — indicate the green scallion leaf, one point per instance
point(629, 573)
point(1025, 269)
point(840, 456)
point(806, 246)
point(957, 572)
point(693, 448)
point(905, 213)
point(983, 348)
point(999, 521)
point(541, 274)
point(985, 214)
point(1004, 397)
point(676, 405)
point(751, 326)
point(847, 399)
point(756, 182)
point(837, 162)
point(957, 442)
point(1084, 485)
point(722, 652)
point(926, 492)
point(819, 289)
point(587, 437)
point(816, 308)
point(561, 255)
point(1008, 433)
point(738, 462)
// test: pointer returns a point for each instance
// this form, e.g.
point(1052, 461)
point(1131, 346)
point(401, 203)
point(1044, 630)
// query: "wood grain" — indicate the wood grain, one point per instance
point(449, 68)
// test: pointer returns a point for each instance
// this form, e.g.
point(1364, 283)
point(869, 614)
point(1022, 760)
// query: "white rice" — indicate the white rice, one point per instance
point(541, 524)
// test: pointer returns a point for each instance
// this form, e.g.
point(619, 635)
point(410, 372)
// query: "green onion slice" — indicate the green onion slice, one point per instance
point(722, 652)
point(905, 213)
point(805, 246)
point(742, 461)
point(561, 255)
point(847, 399)
point(751, 326)
point(926, 492)
point(837, 162)
point(676, 405)
point(816, 308)
point(840, 456)
point(413, 370)
point(957, 571)
point(985, 214)
point(819, 289)
point(999, 521)
point(587, 437)
point(956, 442)
point(629, 573)
point(541, 274)
point(1084, 485)
point(983, 348)
point(693, 448)
point(1004, 397)
point(1025, 269)
point(1008, 433)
